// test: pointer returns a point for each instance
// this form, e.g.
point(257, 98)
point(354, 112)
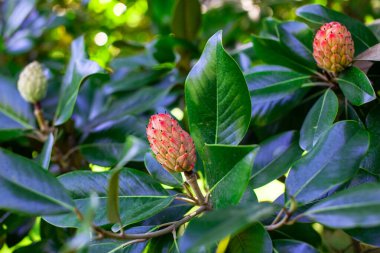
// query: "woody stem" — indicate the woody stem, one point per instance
point(39, 116)
point(191, 179)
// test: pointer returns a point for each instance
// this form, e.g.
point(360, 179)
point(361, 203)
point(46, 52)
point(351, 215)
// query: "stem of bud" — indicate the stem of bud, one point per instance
point(40, 117)
point(191, 179)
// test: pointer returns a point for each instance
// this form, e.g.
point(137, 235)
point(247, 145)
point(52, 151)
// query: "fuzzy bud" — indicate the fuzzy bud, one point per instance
point(32, 83)
point(333, 47)
point(172, 146)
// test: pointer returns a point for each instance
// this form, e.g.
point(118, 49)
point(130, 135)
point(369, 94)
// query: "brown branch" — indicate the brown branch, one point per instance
point(40, 117)
point(191, 179)
point(149, 235)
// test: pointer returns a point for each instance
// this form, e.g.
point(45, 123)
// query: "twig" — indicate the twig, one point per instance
point(40, 117)
point(149, 235)
point(191, 178)
point(188, 200)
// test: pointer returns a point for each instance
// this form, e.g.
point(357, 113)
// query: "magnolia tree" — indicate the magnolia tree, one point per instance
point(306, 116)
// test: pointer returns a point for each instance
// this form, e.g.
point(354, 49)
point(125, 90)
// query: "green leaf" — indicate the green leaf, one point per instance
point(132, 148)
point(275, 157)
point(271, 51)
point(221, 159)
point(334, 160)
point(319, 119)
point(44, 157)
point(274, 92)
point(367, 235)
point(217, 98)
point(230, 188)
point(158, 172)
point(186, 19)
point(139, 196)
point(77, 71)
point(371, 54)
point(356, 86)
point(27, 188)
point(291, 246)
point(215, 225)
point(318, 14)
point(133, 209)
point(14, 108)
point(355, 207)
point(297, 38)
point(371, 161)
point(254, 239)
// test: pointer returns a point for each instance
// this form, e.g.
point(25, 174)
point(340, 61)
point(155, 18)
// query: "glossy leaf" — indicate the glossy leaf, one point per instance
point(214, 226)
point(371, 54)
point(334, 160)
point(297, 38)
point(27, 188)
point(254, 239)
point(186, 19)
point(356, 86)
point(44, 157)
point(139, 196)
point(290, 246)
point(217, 98)
point(318, 14)
point(354, 207)
point(319, 119)
point(274, 92)
point(78, 70)
point(17, 112)
point(230, 188)
point(275, 157)
point(371, 162)
point(221, 159)
point(131, 149)
point(158, 172)
point(271, 51)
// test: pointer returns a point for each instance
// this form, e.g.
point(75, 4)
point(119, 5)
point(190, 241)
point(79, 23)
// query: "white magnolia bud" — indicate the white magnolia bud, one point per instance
point(32, 83)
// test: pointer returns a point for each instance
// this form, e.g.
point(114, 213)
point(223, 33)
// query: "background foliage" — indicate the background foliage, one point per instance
point(111, 64)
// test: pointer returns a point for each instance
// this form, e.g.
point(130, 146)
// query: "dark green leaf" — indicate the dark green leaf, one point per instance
point(318, 14)
point(230, 188)
point(371, 162)
point(139, 195)
point(131, 149)
point(272, 51)
point(274, 92)
point(319, 119)
point(26, 187)
point(186, 19)
point(14, 108)
point(217, 98)
point(334, 160)
point(78, 70)
point(298, 231)
point(371, 54)
point(44, 157)
point(356, 86)
point(292, 246)
point(160, 12)
point(221, 159)
point(275, 157)
point(355, 207)
point(297, 38)
point(254, 239)
point(366, 235)
point(214, 226)
point(159, 173)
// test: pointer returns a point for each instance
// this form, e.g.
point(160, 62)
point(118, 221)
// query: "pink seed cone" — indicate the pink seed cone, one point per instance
point(173, 146)
point(333, 47)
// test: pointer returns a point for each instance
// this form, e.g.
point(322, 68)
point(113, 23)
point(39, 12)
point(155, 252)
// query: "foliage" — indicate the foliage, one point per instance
point(76, 171)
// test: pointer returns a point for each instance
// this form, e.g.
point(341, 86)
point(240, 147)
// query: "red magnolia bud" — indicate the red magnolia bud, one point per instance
point(333, 47)
point(173, 146)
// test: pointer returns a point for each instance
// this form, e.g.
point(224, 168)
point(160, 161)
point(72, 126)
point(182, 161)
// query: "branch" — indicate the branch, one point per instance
point(149, 235)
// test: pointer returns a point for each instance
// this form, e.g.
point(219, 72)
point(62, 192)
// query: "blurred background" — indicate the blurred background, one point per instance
point(147, 47)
